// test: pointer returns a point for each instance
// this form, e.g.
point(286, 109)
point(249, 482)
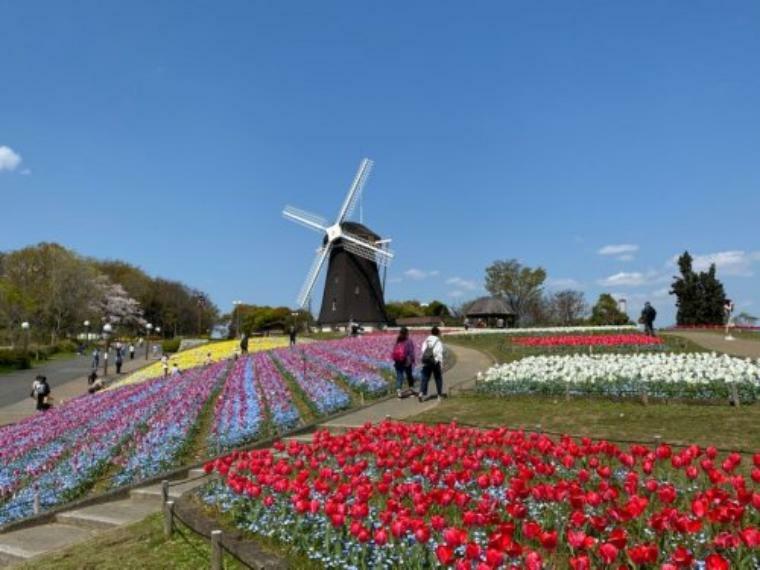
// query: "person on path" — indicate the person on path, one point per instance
point(207, 360)
point(244, 344)
point(432, 364)
point(175, 369)
point(292, 335)
point(728, 319)
point(165, 364)
point(403, 361)
point(648, 315)
point(131, 351)
point(95, 358)
point(94, 384)
point(41, 393)
point(119, 359)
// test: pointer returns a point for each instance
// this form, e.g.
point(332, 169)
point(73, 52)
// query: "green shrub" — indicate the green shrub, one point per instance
point(170, 345)
point(66, 346)
point(14, 358)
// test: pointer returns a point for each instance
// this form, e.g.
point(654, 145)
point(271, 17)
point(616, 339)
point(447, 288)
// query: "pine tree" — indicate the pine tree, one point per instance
point(712, 297)
point(686, 289)
point(606, 312)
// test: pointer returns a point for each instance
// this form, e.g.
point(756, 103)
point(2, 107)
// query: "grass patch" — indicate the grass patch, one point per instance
point(500, 349)
point(134, 547)
point(722, 426)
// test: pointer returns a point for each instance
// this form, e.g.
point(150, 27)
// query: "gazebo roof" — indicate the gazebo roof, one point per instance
point(495, 306)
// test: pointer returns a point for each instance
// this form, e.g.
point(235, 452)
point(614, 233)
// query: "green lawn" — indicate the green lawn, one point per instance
point(722, 426)
point(500, 348)
point(138, 546)
point(4, 369)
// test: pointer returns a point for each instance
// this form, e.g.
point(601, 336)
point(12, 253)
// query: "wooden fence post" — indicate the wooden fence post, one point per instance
point(567, 391)
point(164, 491)
point(216, 550)
point(168, 519)
point(735, 395)
point(36, 506)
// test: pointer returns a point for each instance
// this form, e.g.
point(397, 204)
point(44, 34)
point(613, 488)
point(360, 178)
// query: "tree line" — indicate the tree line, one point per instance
point(56, 290)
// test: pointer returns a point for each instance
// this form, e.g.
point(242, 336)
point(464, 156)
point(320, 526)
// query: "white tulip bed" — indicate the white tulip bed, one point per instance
point(700, 376)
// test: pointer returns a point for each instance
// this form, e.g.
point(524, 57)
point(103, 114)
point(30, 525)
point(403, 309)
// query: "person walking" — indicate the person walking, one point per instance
point(292, 334)
point(119, 359)
point(432, 364)
point(728, 319)
point(41, 392)
point(95, 358)
point(403, 361)
point(244, 344)
point(165, 364)
point(648, 315)
point(131, 351)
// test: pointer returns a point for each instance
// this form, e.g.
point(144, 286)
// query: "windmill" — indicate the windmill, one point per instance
point(353, 291)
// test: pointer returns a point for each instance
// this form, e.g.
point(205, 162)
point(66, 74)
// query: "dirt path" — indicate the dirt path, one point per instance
point(717, 342)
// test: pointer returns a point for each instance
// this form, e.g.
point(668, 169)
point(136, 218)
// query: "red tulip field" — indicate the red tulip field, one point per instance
point(423, 496)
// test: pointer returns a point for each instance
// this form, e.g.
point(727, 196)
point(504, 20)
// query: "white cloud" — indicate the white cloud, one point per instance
point(625, 257)
point(466, 284)
point(619, 249)
point(563, 283)
point(733, 262)
point(456, 294)
point(9, 159)
point(632, 279)
point(420, 274)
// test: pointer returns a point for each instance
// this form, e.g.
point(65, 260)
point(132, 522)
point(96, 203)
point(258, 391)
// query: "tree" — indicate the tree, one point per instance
point(606, 312)
point(521, 286)
point(567, 307)
point(746, 319)
point(699, 296)
point(115, 306)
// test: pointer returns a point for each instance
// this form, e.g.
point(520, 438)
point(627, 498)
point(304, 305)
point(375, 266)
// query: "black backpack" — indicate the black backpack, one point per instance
point(428, 355)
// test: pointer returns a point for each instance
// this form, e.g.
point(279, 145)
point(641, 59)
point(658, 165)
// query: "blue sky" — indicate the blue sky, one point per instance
point(171, 134)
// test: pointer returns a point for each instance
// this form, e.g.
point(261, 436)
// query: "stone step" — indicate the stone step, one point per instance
point(19, 545)
point(107, 515)
point(338, 428)
point(154, 493)
point(300, 438)
point(193, 473)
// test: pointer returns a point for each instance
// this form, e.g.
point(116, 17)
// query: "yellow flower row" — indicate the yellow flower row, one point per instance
point(197, 356)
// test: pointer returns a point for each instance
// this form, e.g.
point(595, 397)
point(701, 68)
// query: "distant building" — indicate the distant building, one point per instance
point(491, 312)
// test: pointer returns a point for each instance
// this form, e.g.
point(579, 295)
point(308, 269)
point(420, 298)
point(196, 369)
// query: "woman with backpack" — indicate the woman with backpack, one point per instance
point(432, 364)
point(40, 392)
point(403, 361)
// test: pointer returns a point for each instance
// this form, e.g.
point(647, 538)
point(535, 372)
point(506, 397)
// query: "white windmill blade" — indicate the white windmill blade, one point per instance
point(366, 249)
point(355, 190)
point(366, 253)
point(304, 218)
point(311, 277)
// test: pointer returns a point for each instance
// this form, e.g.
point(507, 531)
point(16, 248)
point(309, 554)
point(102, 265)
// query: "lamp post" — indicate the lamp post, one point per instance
point(148, 328)
point(158, 333)
point(86, 332)
point(25, 328)
point(237, 314)
point(107, 329)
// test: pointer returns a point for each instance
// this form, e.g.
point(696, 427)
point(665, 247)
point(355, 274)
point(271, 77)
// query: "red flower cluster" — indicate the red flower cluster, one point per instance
point(588, 340)
point(475, 499)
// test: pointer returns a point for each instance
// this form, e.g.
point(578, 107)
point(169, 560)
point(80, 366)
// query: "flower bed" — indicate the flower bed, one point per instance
point(550, 330)
point(197, 356)
point(701, 376)
point(416, 496)
point(601, 340)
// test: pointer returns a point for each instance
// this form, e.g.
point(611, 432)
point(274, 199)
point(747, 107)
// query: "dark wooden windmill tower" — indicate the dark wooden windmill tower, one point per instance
point(353, 291)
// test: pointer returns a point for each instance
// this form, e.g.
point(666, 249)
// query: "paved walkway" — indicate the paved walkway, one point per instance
point(469, 362)
point(717, 342)
point(67, 379)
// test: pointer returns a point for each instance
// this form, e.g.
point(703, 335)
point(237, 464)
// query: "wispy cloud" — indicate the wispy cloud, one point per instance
point(420, 274)
point(619, 249)
point(632, 279)
point(9, 159)
point(459, 283)
point(563, 283)
point(456, 294)
point(735, 262)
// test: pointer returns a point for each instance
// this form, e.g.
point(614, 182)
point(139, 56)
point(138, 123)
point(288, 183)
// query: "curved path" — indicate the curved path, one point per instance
point(713, 341)
point(462, 375)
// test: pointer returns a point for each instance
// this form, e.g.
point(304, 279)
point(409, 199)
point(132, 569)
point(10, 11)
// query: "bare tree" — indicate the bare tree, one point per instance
point(521, 286)
point(567, 307)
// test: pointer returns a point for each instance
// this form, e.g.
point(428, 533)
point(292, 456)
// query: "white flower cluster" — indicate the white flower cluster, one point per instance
point(548, 330)
point(655, 368)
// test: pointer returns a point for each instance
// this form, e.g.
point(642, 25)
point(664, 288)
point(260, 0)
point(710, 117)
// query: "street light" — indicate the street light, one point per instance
point(25, 328)
point(148, 327)
point(86, 332)
point(107, 329)
point(237, 313)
